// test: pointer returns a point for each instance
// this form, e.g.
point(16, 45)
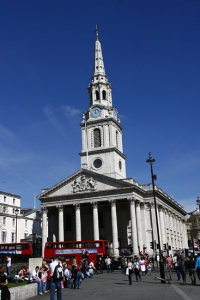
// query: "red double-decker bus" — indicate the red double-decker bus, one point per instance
point(17, 251)
point(67, 250)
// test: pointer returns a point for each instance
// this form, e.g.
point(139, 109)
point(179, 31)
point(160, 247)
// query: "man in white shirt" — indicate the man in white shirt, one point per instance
point(37, 279)
point(8, 266)
point(55, 284)
point(108, 263)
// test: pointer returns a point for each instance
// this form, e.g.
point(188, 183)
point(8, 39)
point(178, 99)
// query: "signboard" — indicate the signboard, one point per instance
point(74, 251)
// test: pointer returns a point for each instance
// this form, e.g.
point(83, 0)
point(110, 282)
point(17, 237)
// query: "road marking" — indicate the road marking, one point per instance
point(181, 293)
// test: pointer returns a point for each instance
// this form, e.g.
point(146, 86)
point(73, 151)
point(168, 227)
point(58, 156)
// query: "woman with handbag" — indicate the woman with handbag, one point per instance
point(129, 271)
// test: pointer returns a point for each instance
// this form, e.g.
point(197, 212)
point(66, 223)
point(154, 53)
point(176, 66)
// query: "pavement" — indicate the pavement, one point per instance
point(116, 286)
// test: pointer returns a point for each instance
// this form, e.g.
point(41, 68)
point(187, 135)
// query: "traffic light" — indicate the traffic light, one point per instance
point(152, 245)
point(164, 247)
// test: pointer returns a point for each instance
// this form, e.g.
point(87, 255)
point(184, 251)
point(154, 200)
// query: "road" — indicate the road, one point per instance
point(115, 286)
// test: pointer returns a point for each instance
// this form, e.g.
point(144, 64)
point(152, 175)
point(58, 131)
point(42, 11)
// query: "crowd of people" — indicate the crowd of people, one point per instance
point(59, 274)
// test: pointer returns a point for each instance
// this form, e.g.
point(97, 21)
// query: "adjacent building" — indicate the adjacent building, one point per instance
point(17, 223)
point(99, 201)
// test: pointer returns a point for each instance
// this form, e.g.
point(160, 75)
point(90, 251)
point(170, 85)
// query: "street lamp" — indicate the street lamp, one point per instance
point(151, 160)
point(16, 213)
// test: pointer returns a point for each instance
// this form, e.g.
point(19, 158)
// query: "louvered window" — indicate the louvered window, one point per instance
point(97, 95)
point(117, 139)
point(97, 138)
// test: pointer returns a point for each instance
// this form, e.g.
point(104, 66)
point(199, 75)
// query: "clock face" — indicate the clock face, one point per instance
point(96, 112)
point(115, 115)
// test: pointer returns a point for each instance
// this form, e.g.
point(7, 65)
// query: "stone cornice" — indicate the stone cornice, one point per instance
point(97, 151)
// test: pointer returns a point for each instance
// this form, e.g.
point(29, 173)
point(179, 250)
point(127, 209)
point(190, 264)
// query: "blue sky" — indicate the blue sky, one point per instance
point(151, 55)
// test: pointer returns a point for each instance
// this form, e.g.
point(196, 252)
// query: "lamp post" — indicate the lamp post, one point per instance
point(151, 160)
point(16, 213)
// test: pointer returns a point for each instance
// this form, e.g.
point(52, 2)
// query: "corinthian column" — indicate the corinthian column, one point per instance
point(78, 222)
point(114, 227)
point(133, 226)
point(44, 228)
point(139, 227)
point(60, 223)
point(95, 221)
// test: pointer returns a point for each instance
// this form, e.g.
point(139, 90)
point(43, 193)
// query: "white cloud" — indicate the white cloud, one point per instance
point(71, 111)
point(6, 134)
point(50, 114)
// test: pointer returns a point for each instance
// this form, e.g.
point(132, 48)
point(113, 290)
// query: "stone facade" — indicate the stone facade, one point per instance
point(99, 201)
point(28, 221)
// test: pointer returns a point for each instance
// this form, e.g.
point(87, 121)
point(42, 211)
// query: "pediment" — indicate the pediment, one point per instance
point(83, 181)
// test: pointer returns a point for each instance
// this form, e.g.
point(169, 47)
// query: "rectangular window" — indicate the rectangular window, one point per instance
point(26, 223)
point(4, 221)
point(13, 201)
point(4, 198)
point(4, 209)
point(13, 211)
point(13, 222)
point(25, 235)
point(3, 236)
point(12, 237)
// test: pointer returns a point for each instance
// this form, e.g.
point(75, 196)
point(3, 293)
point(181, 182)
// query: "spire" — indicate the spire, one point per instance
point(98, 57)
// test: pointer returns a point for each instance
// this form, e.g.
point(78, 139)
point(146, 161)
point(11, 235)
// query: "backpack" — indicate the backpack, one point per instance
point(181, 265)
point(58, 273)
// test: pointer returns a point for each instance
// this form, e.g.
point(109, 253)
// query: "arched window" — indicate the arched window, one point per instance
point(68, 223)
point(97, 138)
point(104, 95)
point(97, 95)
point(101, 223)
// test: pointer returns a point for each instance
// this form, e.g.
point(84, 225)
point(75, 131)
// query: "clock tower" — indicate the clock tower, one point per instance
point(102, 149)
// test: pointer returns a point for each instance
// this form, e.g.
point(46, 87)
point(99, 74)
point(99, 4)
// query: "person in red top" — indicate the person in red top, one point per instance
point(169, 265)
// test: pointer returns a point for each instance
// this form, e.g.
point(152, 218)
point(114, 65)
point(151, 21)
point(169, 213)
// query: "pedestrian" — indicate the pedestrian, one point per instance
point(122, 262)
point(175, 265)
point(182, 268)
point(197, 266)
point(55, 267)
point(112, 266)
point(36, 279)
point(142, 266)
point(101, 264)
point(78, 277)
point(129, 271)
point(191, 269)
point(92, 266)
point(137, 269)
point(108, 263)
point(169, 266)
point(8, 266)
point(5, 293)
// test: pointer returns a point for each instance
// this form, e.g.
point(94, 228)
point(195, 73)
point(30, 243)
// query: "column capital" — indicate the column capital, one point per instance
point(161, 208)
point(132, 200)
point(60, 208)
point(44, 209)
point(112, 202)
point(137, 202)
point(151, 204)
point(142, 205)
point(94, 204)
point(77, 206)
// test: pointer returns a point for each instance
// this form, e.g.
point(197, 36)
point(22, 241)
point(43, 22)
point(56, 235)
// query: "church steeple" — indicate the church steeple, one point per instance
point(98, 58)
point(102, 148)
point(100, 90)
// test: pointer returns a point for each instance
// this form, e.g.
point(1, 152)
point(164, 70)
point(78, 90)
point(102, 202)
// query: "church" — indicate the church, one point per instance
point(98, 201)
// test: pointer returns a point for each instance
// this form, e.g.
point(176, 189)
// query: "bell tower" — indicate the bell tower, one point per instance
point(102, 149)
